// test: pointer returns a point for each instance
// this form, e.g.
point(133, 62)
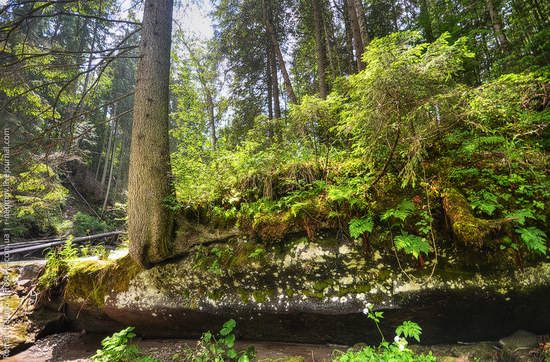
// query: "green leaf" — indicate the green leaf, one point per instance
point(534, 238)
point(358, 227)
point(412, 244)
point(409, 329)
point(228, 327)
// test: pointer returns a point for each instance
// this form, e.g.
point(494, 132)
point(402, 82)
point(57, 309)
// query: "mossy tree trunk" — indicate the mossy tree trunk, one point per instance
point(150, 223)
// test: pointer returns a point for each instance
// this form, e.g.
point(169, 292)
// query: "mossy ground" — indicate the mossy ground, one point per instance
point(93, 280)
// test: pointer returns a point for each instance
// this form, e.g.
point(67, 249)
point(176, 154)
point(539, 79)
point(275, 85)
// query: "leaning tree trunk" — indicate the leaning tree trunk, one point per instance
point(150, 223)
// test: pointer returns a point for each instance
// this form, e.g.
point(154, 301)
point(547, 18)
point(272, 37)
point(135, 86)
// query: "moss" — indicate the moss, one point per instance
point(261, 296)
point(383, 275)
point(312, 294)
point(245, 298)
point(320, 286)
point(215, 294)
point(466, 227)
point(272, 227)
point(356, 289)
point(93, 279)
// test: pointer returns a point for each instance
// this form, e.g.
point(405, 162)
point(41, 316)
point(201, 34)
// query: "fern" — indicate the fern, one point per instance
point(534, 238)
point(403, 211)
point(491, 140)
point(485, 202)
point(358, 227)
point(412, 244)
point(521, 215)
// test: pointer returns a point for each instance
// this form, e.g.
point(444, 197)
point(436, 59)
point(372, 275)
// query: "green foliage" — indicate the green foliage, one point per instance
point(218, 348)
point(385, 352)
point(409, 329)
point(37, 200)
point(57, 264)
point(534, 238)
point(401, 212)
point(394, 351)
point(412, 244)
point(116, 348)
point(335, 162)
point(357, 227)
point(84, 224)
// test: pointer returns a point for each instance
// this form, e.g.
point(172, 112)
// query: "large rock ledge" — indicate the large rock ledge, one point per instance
point(310, 292)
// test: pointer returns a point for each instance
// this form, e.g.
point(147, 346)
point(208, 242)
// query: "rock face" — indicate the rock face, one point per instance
point(312, 292)
point(20, 323)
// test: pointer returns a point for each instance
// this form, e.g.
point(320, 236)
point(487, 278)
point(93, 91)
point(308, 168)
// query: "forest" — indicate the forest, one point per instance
point(361, 180)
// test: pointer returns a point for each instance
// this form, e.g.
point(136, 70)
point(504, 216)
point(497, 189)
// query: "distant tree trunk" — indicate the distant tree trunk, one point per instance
point(356, 32)
point(268, 22)
point(211, 116)
point(106, 163)
point(269, 84)
point(275, 83)
point(320, 46)
point(112, 161)
point(100, 146)
point(150, 223)
point(497, 26)
point(335, 70)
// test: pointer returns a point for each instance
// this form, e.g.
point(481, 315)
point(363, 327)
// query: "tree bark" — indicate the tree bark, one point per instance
point(320, 46)
point(110, 179)
point(109, 145)
point(275, 83)
point(426, 20)
point(150, 223)
point(349, 38)
point(279, 55)
point(362, 20)
point(356, 33)
point(269, 84)
point(497, 26)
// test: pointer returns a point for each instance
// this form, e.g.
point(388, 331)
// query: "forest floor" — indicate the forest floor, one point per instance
point(76, 347)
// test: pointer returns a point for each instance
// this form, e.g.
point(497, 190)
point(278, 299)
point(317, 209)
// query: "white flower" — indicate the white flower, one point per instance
point(401, 347)
point(397, 339)
point(366, 311)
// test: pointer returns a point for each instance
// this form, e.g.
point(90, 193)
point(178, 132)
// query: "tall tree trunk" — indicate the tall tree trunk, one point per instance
point(211, 116)
point(150, 223)
point(426, 20)
point(497, 26)
point(320, 46)
point(349, 38)
point(362, 20)
point(268, 21)
point(110, 180)
point(279, 55)
point(109, 145)
point(356, 32)
point(269, 83)
point(335, 69)
point(275, 82)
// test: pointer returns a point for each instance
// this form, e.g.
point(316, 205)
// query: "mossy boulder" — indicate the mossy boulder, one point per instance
point(306, 291)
